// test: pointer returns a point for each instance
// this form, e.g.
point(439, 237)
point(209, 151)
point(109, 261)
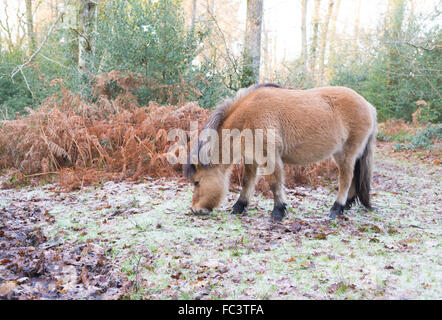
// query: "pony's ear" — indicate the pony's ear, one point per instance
point(189, 170)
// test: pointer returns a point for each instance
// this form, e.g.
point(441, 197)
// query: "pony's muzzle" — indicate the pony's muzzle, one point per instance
point(201, 212)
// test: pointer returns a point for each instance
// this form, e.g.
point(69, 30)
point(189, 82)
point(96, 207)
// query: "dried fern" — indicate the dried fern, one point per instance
point(87, 142)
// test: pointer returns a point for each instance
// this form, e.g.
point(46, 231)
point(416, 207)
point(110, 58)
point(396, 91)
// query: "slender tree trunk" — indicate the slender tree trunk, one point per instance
point(411, 17)
point(394, 19)
point(252, 46)
point(274, 58)
point(392, 31)
point(53, 11)
point(396, 15)
point(30, 27)
point(412, 8)
point(211, 7)
point(86, 25)
point(304, 39)
point(5, 26)
point(333, 35)
point(265, 49)
point(324, 42)
point(334, 19)
point(192, 23)
point(357, 25)
point(211, 16)
point(314, 47)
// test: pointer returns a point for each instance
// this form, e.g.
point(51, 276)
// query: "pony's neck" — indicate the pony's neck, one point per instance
point(226, 169)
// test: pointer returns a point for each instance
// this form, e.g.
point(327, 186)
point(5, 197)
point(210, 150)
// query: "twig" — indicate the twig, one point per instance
point(81, 35)
point(416, 46)
point(136, 274)
point(411, 226)
point(225, 43)
point(19, 68)
point(27, 84)
point(54, 61)
point(135, 224)
point(39, 174)
point(431, 85)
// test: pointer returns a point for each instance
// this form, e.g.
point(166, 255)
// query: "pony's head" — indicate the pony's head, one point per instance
point(210, 186)
point(211, 181)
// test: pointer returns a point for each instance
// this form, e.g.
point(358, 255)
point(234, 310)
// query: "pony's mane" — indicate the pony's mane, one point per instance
point(218, 116)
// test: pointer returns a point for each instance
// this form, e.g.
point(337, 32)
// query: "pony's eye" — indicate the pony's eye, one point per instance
point(196, 183)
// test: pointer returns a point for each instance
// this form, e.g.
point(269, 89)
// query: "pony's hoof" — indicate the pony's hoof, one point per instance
point(239, 207)
point(277, 215)
point(279, 212)
point(336, 211)
point(350, 203)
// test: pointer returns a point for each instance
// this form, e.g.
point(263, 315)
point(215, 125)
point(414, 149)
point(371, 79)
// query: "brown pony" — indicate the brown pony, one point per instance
point(310, 126)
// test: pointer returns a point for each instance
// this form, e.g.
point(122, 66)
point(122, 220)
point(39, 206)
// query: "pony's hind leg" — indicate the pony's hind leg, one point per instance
point(351, 197)
point(276, 181)
point(248, 188)
point(346, 162)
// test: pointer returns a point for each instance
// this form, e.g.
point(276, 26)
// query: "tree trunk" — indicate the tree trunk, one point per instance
point(252, 46)
point(334, 19)
point(265, 50)
point(356, 26)
point(396, 16)
point(412, 15)
point(392, 32)
point(274, 58)
point(314, 47)
point(304, 39)
point(192, 23)
point(211, 7)
point(86, 16)
point(30, 27)
point(324, 42)
point(333, 35)
point(394, 19)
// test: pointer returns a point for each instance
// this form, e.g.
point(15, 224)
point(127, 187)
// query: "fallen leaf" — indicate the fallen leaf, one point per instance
point(307, 265)
point(84, 276)
point(334, 287)
point(176, 276)
point(103, 207)
point(320, 236)
point(291, 259)
point(7, 287)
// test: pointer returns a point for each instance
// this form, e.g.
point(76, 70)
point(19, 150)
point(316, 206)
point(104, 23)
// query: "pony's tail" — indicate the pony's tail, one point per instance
point(363, 173)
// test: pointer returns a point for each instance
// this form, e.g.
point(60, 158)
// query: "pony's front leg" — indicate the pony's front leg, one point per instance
point(276, 181)
point(248, 188)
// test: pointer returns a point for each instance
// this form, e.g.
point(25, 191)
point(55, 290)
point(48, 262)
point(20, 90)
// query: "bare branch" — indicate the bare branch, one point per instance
point(54, 61)
point(6, 27)
point(416, 46)
point(223, 37)
point(20, 67)
point(27, 84)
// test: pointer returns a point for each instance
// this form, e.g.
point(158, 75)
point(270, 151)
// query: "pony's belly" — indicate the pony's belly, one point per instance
point(304, 155)
point(303, 161)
